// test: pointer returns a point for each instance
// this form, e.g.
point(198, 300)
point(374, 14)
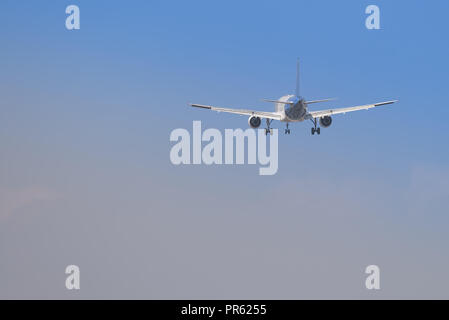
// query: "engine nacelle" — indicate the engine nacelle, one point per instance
point(254, 122)
point(325, 121)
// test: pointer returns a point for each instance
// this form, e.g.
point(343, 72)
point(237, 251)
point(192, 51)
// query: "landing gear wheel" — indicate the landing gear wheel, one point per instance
point(318, 130)
point(287, 131)
point(313, 131)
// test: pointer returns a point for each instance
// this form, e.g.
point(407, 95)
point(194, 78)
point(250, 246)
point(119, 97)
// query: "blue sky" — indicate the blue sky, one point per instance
point(85, 118)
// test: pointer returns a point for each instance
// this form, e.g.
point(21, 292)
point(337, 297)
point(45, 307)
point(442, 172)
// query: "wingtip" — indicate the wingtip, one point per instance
point(200, 106)
point(385, 103)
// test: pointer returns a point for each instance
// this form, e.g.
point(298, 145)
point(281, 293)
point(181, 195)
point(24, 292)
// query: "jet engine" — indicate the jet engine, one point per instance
point(325, 121)
point(254, 122)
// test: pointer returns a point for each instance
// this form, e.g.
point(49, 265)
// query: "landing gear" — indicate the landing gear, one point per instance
point(287, 130)
point(268, 129)
point(315, 129)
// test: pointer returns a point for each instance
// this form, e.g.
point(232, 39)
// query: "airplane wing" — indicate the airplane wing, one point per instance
point(261, 114)
point(328, 112)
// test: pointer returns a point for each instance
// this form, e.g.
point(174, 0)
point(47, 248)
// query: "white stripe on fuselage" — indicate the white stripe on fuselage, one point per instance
point(291, 112)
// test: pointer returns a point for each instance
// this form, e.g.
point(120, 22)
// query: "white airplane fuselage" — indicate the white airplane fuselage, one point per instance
point(294, 111)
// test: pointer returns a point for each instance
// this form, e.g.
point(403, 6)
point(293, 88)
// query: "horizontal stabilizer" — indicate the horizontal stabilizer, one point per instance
point(277, 101)
point(322, 100)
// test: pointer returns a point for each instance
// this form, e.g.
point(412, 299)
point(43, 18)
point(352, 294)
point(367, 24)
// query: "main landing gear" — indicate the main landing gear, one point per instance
point(287, 130)
point(268, 129)
point(315, 129)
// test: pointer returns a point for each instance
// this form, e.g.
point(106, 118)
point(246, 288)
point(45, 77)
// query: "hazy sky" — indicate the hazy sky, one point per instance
point(86, 179)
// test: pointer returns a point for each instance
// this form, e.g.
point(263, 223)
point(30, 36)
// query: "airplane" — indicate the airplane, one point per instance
point(293, 108)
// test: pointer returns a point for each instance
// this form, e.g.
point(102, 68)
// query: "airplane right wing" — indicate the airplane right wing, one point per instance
point(261, 114)
point(322, 113)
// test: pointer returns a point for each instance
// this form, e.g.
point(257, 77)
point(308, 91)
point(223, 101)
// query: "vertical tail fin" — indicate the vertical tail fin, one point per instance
point(297, 77)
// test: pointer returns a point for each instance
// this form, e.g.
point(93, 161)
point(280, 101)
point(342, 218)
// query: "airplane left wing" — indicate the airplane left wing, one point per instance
point(323, 113)
point(261, 114)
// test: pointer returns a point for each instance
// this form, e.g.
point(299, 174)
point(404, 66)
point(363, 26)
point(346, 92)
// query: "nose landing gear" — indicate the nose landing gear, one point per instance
point(287, 130)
